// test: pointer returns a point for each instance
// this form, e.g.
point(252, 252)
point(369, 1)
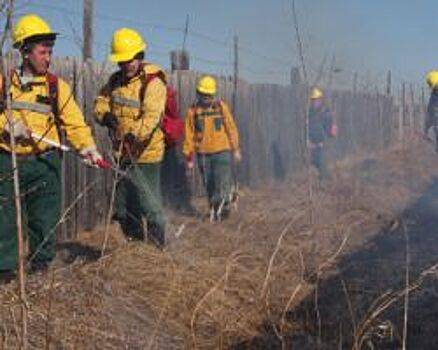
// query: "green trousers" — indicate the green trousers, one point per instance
point(40, 186)
point(216, 175)
point(138, 196)
point(319, 161)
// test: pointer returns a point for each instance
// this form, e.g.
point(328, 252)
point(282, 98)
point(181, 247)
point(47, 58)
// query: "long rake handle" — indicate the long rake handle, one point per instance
point(101, 163)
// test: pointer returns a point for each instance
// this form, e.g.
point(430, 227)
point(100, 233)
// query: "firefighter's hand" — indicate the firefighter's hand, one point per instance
point(91, 156)
point(190, 165)
point(20, 130)
point(334, 130)
point(130, 139)
point(131, 145)
point(110, 121)
point(237, 156)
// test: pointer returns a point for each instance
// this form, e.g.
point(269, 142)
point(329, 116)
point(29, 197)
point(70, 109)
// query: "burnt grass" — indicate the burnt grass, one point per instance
point(213, 287)
point(326, 318)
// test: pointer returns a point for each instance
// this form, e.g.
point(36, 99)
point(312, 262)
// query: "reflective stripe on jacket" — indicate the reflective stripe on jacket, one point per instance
point(122, 99)
point(31, 104)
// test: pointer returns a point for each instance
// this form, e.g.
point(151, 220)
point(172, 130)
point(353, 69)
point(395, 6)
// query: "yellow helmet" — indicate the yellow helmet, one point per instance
point(432, 79)
point(207, 85)
point(126, 43)
point(30, 26)
point(316, 93)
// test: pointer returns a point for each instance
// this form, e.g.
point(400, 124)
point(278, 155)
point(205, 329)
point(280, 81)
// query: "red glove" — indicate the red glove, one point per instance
point(190, 164)
point(92, 157)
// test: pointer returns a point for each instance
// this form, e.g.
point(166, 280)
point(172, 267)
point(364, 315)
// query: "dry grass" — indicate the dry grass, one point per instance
point(215, 285)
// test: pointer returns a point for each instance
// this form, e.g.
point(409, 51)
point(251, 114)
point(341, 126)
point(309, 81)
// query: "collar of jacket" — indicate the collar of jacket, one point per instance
point(434, 94)
point(212, 110)
point(320, 110)
point(19, 81)
point(147, 68)
point(215, 105)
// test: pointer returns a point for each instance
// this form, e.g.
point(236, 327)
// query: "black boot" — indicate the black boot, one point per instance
point(39, 266)
point(222, 211)
point(6, 276)
point(214, 213)
point(132, 232)
point(156, 235)
point(226, 211)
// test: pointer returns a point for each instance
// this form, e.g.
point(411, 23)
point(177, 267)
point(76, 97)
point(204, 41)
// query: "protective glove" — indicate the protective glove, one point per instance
point(91, 156)
point(132, 146)
point(130, 139)
point(110, 121)
point(237, 155)
point(190, 164)
point(20, 130)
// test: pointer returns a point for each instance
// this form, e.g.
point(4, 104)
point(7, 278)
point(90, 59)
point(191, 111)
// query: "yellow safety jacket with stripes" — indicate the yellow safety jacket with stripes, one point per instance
point(140, 118)
point(32, 105)
point(210, 130)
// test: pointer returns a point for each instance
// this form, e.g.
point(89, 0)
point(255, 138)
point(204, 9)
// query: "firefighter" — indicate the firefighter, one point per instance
point(432, 107)
point(212, 137)
point(130, 105)
point(320, 127)
point(41, 104)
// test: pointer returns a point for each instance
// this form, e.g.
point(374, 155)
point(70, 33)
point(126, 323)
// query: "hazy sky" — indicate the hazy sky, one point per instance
point(367, 36)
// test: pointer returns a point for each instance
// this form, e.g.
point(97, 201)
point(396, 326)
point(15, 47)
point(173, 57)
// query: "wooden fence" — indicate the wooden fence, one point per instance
point(271, 120)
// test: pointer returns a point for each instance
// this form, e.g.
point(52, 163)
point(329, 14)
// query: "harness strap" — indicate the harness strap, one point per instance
point(31, 106)
point(123, 101)
point(53, 89)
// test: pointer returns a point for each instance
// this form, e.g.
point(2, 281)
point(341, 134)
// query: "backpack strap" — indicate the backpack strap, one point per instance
point(53, 91)
point(227, 132)
point(114, 82)
point(218, 105)
point(145, 80)
point(52, 85)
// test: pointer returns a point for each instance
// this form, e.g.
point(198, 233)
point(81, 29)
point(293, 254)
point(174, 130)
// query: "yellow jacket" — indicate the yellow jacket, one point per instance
point(33, 108)
point(210, 130)
point(123, 101)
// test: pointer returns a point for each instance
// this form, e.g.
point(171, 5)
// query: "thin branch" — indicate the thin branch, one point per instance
point(62, 219)
point(7, 27)
point(406, 301)
point(386, 300)
point(350, 308)
point(294, 294)
point(49, 312)
point(7, 67)
point(275, 252)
